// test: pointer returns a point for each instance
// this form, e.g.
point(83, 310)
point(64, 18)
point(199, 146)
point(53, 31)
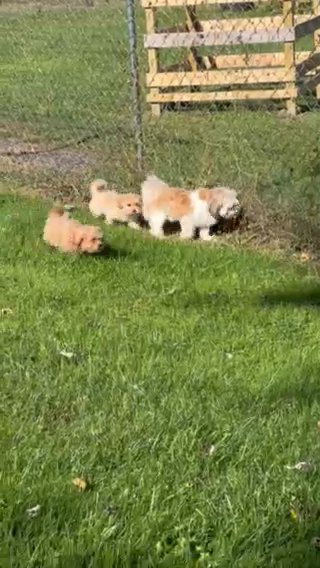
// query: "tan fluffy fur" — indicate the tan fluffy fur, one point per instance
point(69, 235)
point(113, 206)
point(198, 209)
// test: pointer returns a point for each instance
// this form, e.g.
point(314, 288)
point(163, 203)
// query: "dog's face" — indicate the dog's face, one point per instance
point(223, 203)
point(130, 204)
point(230, 208)
point(89, 239)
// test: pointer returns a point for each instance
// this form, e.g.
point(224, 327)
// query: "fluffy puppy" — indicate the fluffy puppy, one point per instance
point(69, 235)
point(198, 209)
point(115, 207)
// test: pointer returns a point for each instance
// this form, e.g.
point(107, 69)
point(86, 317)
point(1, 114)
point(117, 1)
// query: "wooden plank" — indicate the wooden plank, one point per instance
point(308, 27)
point(247, 24)
point(250, 60)
point(150, 14)
point(193, 24)
point(289, 53)
point(174, 3)
point(193, 57)
point(256, 60)
point(308, 65)
point(237, 24)
point(211, 78)
point(267, 94)
point(316, 38)
point(194, 39)
point(304, 59)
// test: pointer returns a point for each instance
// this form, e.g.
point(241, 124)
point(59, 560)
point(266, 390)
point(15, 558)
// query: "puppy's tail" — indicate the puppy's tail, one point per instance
point(98, 185)
point(152, 187)
point(56, 212)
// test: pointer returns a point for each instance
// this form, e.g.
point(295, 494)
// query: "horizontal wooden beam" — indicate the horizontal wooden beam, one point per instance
point(217, 78)
point(256, 60)
point(197, 39)
point(307, 28)
point(173, 3)
point(247, 24)
point(307, 64)
point(268, 94)
point(238, 24)
point(248, 60)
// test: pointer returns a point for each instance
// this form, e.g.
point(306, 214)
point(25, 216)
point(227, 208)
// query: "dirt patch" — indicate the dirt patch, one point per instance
point(60, 160)
point(18, 154)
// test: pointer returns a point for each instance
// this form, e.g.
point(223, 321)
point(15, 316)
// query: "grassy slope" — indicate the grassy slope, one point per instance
point(173, 352)
point(64, 75)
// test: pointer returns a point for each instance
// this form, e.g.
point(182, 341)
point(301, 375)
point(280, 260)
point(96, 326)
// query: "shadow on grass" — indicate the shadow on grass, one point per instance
point(302, 389)
point(192, 300)
point(110, 252)
point(298, 296)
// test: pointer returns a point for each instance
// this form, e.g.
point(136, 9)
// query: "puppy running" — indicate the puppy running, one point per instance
point(198, 209)
point(115, 207)
point(69, 235)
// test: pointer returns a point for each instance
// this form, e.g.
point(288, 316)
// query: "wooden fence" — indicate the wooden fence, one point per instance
point(272, 75)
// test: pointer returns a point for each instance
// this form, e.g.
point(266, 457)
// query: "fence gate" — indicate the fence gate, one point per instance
point(230, 59)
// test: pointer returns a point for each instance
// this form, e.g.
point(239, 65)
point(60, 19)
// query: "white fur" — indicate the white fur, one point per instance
point(200, 218)
point(156, 222)
point(204, 234)
point(201, 215)
point(150, 189)
point(231, 204)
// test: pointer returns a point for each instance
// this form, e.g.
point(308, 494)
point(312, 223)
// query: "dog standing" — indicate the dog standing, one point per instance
point(198, 209)
point(115, 207)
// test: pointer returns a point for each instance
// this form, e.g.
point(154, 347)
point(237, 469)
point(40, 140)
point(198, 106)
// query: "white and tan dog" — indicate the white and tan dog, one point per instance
point(198, 209)
point(113, 206)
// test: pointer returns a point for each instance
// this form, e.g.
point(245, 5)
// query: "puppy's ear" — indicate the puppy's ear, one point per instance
point(215, 204)
point(205, 194)
point(213, 200)
point(119, 202)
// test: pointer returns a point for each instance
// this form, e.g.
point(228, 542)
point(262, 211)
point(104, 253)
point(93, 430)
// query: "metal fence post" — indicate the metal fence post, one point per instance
point(134, 72)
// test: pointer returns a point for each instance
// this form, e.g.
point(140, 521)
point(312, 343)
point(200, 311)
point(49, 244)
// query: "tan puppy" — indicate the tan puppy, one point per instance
point(69, 235)
point(115, 207)
point(198, 209)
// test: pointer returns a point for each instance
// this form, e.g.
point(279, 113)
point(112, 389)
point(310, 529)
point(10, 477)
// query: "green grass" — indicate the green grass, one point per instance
point(64, 77)
point(176, 347)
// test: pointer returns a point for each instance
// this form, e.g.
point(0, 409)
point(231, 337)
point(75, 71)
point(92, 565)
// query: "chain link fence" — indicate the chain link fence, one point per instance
point(66, 110)
point(233, 88)
point(226, 52)
point(227, 93)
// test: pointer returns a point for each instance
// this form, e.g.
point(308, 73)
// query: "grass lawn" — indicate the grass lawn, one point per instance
point(192, 379)
point(188, 393)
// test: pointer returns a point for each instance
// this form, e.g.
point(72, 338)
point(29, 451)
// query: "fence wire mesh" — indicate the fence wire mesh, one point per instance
point(225, 78)
point(257, 53)
point(66, 111)
point(236, 86)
